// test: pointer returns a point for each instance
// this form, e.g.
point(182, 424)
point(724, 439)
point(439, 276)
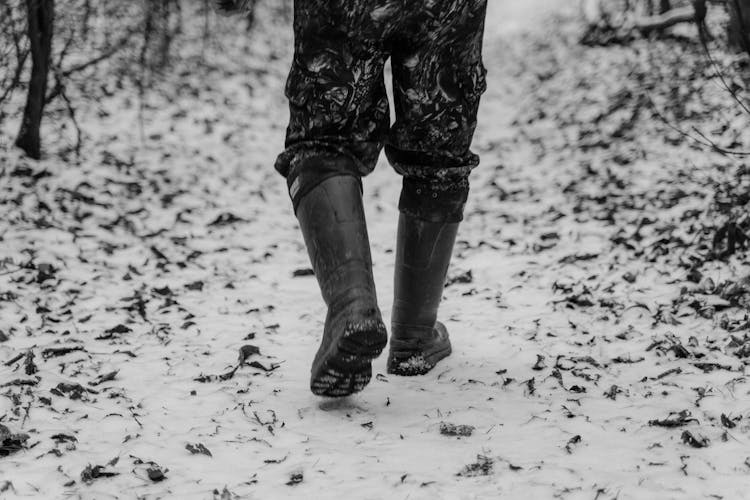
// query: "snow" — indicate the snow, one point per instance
point(562, 393)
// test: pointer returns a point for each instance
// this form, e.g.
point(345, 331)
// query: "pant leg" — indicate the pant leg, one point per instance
point(438, 80)
point(339, 114)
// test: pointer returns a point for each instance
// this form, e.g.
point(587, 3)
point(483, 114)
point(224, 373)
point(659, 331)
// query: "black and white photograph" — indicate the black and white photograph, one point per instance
point(374, 249)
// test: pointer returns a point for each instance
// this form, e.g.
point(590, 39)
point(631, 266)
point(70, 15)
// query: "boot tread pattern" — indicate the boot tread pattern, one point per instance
point(346, 368)
point(417, 356)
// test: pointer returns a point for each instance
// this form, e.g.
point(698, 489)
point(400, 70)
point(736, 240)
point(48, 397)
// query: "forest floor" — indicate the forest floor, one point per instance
point(597, 299)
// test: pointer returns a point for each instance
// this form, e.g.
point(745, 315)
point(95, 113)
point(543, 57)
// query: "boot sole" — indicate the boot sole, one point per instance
point(418, 364)
point(406, 362)
point(346, 368)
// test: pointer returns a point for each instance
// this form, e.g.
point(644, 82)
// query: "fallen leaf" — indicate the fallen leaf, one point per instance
point(198, 448)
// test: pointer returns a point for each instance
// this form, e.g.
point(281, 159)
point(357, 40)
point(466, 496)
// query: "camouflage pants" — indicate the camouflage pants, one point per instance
point(339, 112)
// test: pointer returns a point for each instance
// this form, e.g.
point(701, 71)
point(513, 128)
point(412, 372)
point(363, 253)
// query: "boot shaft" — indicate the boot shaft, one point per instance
point(423, 253)
point(332, 221)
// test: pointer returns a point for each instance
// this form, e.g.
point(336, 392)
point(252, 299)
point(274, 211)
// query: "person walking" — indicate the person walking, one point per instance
point(339, 123)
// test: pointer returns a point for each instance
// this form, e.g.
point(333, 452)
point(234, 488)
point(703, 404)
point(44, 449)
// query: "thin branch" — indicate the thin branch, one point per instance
point(716, 147)
point(21, 63)
point(666, 20)
point(704, 43)
point(22, 53)
point(72, 114)
point(101, 57)
point(66, 47)
point(706, 142)
point(61, 75)
point(59, 90)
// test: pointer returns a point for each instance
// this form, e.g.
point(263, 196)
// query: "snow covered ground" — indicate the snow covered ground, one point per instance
point(129, 284)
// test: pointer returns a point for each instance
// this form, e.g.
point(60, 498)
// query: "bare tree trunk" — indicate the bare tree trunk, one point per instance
point(739, 24)
point(40, 18)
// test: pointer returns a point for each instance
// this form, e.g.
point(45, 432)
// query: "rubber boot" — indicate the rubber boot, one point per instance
point(332, 220)
point(423, 252)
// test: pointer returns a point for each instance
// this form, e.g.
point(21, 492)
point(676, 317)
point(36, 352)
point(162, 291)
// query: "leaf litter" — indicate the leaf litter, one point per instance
point(619, 242)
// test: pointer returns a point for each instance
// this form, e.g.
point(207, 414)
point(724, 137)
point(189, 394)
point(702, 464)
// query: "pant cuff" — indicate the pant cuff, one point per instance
point(310, 170)
point(433, 200)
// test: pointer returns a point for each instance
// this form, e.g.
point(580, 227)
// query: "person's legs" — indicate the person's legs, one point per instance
point(438, 79)
point(338, 108)
point(338, 122)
